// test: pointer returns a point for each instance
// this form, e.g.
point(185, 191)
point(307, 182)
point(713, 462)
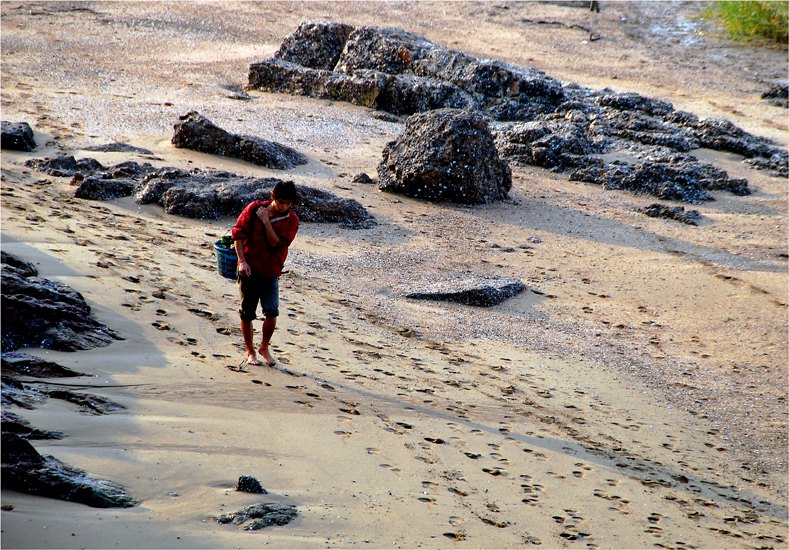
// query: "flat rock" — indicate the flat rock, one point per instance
point(194, 131)
point(471, 292)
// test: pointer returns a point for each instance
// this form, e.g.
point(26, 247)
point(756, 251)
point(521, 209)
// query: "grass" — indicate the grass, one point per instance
point(752, 20)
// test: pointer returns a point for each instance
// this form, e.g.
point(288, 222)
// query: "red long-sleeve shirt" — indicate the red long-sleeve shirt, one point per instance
point(262, 257)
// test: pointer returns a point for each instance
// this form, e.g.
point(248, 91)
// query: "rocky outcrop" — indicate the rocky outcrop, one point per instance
point(472, 292)
point(263, 515)
point(212, 194)
point(399, 72)
point(445, 155)
point(37, 312)
point(25, 470)
point(16, 136)
point(536, 119)
point(198, 194)
point(194, 131)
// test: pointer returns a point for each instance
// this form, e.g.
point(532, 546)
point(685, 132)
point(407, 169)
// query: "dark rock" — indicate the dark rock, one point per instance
point(15, 424)
point(472, 292)
point(674, 177)
point(263, 515)
point(249, 484)
point(117, 148)
point(65, 166)
point(196, 132)
point(14, 392)
point(386, 117)
point(388, 50)
point(89, 404)
point(405, 95)
point(101, 189)
point(28, 365)
point(23, 267)
point(26, 471)
point(490, 81)
point(37, 312)
point(362, 178)
point(556, 143)
point(445, 155)
point(777, 95)
point(121, 180)
point(635, 102)
point(315, 45)
point(17, 136)
point(211, 195)
point(657, 210)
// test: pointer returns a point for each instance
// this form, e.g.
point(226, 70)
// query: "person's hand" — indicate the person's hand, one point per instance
point(244, 269)
point(263, 214)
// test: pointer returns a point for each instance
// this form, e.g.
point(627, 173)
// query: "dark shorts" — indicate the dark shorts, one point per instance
point(255, 290)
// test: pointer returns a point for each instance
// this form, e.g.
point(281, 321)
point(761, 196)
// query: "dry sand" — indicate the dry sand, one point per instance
point(638, 399)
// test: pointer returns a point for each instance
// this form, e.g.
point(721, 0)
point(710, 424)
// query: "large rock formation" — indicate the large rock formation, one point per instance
point(194, 131)
point(445, 155)
point(536, 119)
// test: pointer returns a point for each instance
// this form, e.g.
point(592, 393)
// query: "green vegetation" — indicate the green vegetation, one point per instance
point(751, 20)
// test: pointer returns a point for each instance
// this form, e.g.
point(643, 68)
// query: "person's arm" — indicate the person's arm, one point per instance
point(243, 266)
point(239, 235)
point(265, 216)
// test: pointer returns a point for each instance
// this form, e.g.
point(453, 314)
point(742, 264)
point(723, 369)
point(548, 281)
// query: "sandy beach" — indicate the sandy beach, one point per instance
point(634, 396)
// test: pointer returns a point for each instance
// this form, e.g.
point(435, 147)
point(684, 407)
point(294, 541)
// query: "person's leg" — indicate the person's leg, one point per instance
point(249, 303)
point(247, 332)
point(269, 324)
point(269, 300)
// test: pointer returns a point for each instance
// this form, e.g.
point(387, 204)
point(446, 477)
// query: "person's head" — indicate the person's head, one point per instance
point(284, 195)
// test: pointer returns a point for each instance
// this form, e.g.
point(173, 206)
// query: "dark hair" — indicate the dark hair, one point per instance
point(286, 191)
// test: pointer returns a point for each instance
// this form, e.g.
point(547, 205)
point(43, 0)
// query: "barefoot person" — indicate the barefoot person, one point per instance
point(262, 234)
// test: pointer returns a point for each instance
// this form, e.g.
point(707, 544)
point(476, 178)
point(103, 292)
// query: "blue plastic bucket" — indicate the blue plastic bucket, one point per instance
point(226, 261)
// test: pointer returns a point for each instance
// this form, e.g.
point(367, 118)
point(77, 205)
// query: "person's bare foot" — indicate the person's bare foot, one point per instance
point(263, 350)
point(252, 359)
